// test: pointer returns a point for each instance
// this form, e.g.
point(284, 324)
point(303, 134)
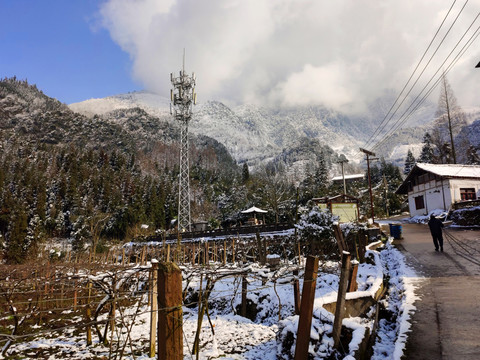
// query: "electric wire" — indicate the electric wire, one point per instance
point(462, 248)
point(383, 123)
point(404, 117)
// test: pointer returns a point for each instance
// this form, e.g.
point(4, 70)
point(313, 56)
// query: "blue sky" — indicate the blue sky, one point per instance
point(58, 45)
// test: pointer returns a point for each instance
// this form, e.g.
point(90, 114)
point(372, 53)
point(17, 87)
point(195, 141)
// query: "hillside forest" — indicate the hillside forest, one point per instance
point(91, 183)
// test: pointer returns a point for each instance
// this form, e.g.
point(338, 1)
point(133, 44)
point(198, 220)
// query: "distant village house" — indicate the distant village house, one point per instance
point(439, 186)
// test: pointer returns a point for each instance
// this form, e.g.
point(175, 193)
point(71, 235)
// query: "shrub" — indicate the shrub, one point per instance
point(316, 228)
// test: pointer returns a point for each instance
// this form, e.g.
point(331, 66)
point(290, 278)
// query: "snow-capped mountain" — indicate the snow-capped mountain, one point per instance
point(255, 134)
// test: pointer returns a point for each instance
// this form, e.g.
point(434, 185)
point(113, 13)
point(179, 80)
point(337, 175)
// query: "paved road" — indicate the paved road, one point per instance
point(446, 324)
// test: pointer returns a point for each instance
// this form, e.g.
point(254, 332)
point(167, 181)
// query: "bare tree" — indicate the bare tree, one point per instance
point(450, 119)
point(276, 189)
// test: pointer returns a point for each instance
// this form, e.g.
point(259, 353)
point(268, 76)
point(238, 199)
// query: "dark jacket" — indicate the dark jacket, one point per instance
point(435, 226)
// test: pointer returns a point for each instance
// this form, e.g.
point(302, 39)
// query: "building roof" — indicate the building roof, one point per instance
point(451, 170)
point(254, 209)
point(348, 177)
point(446, 171)
point(336, 198)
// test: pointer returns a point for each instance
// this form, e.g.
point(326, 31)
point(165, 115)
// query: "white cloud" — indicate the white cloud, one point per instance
point(339, 53)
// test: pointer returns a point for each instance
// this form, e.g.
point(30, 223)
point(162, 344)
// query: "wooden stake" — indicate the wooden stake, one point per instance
point(154, 308)
point(193, 254)
point(207, 255)
point(243, 311)
point(224, 252)
point(299, 255)
point(340, 240)
point(306, 308)
point(170, 314)
point(296, 292)
point(340, 307)
point(352, 281)
point(89, 314)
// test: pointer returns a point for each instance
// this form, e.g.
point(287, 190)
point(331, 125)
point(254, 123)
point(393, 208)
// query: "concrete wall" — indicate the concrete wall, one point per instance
point(439, 196)
point(457, 184)
point(436, 195)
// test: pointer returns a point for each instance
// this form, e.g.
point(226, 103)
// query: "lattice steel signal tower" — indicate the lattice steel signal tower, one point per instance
point(183, 97)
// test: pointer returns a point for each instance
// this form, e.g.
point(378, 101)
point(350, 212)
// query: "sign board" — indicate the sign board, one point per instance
point(346, 211)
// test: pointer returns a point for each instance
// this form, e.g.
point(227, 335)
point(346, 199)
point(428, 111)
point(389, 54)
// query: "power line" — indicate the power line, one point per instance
point(403, 118)
point(383, 124)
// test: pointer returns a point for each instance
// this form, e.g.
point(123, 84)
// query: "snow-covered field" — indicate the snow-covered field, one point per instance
point(264, 334)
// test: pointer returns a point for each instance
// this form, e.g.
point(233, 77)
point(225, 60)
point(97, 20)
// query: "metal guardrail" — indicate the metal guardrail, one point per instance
point(233, 231)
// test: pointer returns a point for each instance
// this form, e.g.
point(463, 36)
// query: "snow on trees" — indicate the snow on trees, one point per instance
point(316, 227)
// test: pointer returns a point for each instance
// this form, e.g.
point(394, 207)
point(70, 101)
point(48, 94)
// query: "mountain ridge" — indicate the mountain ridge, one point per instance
point(255, 135)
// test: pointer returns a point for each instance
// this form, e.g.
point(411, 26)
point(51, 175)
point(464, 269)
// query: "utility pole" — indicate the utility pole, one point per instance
point(183, 97)
point(369, 153)
point(385, 184)
point(341, 162)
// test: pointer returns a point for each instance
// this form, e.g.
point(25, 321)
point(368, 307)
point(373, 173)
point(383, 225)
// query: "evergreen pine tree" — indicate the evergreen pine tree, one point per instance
point(472, 156)
point(321, 176)
point(245, 173)
point(427, 154)
point(409, 163)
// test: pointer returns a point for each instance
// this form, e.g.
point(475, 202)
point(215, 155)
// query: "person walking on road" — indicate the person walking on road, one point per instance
point(436, 226)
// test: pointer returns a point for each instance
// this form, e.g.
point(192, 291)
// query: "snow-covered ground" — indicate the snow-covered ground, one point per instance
point(271, 312)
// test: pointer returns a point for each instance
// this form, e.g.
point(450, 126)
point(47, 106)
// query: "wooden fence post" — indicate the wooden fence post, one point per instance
point(193, 254)
point(114, 303)
point(89, 314)
point(340, 306)
point(306, 308)
point(243, 311)
point(299, 255)
point(296, 292)
point(224, 252)
point(170, 313)
point(361, 246)
point(342, 246)
point(352, 282)
point(207, 255)
point(154, 308)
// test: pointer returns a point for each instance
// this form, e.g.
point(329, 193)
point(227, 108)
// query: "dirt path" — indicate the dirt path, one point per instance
point(446, 324)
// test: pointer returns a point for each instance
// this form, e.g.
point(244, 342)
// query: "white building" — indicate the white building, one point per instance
point(435, 186)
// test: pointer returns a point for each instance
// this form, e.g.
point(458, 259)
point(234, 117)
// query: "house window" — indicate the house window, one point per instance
point(468, 194)
point(419, 204)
